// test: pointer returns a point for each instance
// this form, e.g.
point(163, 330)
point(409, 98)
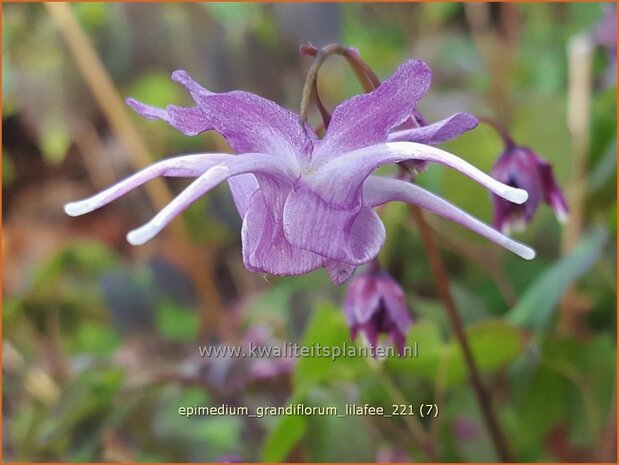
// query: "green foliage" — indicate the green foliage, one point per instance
point(176, 323)
point(283, 437)
point(327, 328)
point(494, 343)
point(534, 309)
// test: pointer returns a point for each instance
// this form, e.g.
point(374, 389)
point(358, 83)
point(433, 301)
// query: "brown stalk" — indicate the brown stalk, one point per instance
point(442, 285)
point(107, 98)
point(580, 56)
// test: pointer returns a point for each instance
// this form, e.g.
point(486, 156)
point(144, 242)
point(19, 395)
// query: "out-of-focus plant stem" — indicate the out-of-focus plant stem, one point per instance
point(484, 255)
point(110, 103)
point(580, 58)
point(106, 96)
point(496, 49)
point(310, 88)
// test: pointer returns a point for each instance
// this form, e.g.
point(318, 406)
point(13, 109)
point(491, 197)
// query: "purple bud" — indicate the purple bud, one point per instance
point(374, 304)
point(521, 167)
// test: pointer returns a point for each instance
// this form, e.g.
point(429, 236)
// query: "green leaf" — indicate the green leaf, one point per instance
point(535, 307)
point(431, 349)
point(97, 339)
point(331, 438)
point(287, 432)
point(328, 329)
point(176, 323)
point(493, 344)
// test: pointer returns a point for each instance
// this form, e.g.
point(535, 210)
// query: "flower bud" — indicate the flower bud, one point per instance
point(374, 304)
point(521, 167)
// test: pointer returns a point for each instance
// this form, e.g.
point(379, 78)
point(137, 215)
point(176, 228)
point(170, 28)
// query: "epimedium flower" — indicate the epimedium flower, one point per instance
point(305, 202)
point(415, 128)
point(521, 167)
point(374, 304)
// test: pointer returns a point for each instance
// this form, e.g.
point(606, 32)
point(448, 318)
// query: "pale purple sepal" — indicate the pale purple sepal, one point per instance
point(437, 133)
point(382, 190)
point(367, 119)
point(305, 203)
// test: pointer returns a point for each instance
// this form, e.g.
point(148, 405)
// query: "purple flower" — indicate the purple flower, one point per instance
point(521, 167)
point(374, 305)
point(306, 202)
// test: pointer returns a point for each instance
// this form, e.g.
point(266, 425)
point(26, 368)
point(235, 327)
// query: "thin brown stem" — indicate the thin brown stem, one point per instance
point(508, 142)
point(100, 84)
point(442, 284)
point(324, 114)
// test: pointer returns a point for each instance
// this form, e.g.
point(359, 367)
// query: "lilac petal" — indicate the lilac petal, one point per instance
point(251, 123)
point(242, 188)
point(366, 119)
point(234, 165)
point(552, 192)
point(382, 190)
point(185, 166)
point(339, 272)
point(338, 179)
point(438, 132)
point(189, 121)
point(351, 235)
point(265, 248)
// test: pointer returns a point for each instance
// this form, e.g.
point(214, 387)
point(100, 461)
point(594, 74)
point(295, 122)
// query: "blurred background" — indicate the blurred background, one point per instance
point(100, 339)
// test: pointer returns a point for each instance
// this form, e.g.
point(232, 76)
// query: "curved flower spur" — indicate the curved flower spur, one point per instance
point(307, 202)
